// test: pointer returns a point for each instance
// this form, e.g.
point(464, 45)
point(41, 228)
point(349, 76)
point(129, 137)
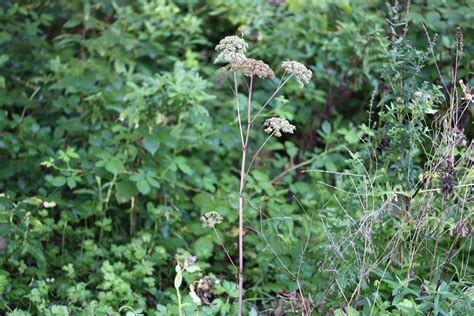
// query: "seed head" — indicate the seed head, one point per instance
point(302, 74)
point(459, 39)
point(277, 125)
point(462, 229)
point(231, 50)
point(466, 90)
point(210, 219)
point(252, 67)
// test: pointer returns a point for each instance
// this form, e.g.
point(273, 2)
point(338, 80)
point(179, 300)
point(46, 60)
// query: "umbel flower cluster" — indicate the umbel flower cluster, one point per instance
point(277, 126)
point(231, 49)
point(211, 219)
point(252, 67)
point(301, 73)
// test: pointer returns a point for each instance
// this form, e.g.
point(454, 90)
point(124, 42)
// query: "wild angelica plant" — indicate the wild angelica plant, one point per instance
point(232, 50)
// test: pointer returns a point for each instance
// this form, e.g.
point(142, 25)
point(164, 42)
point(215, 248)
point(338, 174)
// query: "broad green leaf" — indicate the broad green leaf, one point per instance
point(153, 183)
point(143, 187)
point(125, 190)
point(114, 166)
point(151, 143)
point(58, 181)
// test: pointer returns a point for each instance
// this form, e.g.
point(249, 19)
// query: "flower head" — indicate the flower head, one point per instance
point(210, 219)
point(277, 125)
point(302, 74)
point(466, 90)
point(231, 50)
point(252, 67)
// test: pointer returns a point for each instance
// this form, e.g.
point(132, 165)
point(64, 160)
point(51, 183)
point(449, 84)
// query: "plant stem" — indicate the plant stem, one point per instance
point(447, 262)
point(236, 92)
point(224, 248)
point(180, 304)
point(256, 155)
point(271, 97)
point(241, 198)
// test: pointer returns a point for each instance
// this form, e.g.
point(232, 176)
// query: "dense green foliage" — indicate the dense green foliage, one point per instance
point(117, 133)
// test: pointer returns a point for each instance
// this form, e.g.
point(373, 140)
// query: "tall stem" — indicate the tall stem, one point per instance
point(256, 155)
point(236, 91)
point(241, 199)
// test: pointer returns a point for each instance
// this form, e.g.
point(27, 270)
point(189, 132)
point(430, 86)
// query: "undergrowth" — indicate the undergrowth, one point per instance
point(122, 187)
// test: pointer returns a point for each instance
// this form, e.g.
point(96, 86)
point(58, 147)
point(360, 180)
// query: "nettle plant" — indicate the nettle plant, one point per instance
point(232, 50)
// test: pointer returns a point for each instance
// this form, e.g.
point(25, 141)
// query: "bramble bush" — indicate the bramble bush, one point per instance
point(118, 134)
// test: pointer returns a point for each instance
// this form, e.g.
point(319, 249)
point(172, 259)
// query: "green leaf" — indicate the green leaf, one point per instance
point(179, 277)
point(204, 246)
point(183, 166)
point(291, 149)
point(153, 182)
point(114, 166)
point(151, 143)
point(72, 23)
point(58, 181)
point(71, 183)
point(137, 177)
point(345, 5)
point(326, 127)
point(125, 190)
point(143, 187)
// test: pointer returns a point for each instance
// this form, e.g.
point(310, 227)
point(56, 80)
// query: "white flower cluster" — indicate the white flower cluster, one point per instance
point(277, 125)
point(210, 219)
point(231, 50)
point(302, 74)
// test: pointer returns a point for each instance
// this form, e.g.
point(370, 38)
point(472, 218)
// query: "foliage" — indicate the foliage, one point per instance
point(117, 133)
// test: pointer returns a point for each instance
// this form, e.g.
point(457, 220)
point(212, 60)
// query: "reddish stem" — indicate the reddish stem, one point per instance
point(241, 200)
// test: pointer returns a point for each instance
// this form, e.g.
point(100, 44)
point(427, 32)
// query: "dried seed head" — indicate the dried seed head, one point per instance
point(204, 290)
point(459, 39)
point(466, 90)
point(459, 136)
point(302, 74)
point(231, 50)
point(276, 3)
point(190, 261)
point(462, 229)
point(210, 219)
point(447, 185)
point(252, 67)
point(277, 125)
